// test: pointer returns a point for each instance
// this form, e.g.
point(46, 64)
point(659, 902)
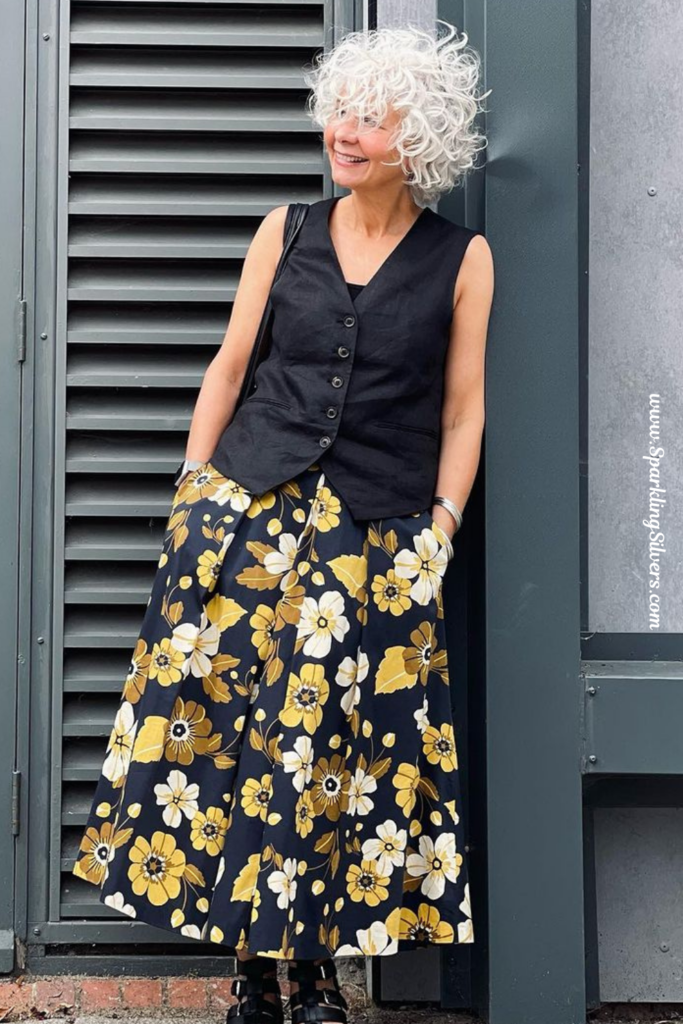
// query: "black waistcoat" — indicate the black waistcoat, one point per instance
point(355, 387)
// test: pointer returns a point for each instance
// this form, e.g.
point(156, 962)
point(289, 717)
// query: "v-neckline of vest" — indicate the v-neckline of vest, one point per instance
point(394, 254)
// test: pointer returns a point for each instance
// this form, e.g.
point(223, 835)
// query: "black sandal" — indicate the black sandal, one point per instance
point(310, 1004)
point(254, 1008)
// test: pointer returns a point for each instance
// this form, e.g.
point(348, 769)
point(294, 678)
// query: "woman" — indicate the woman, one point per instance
point(282, 774)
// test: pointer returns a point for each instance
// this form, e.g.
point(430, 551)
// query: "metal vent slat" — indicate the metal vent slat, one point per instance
point(185, 125)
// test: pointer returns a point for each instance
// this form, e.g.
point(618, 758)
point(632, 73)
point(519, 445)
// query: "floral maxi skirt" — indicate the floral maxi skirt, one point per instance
point(282, 773)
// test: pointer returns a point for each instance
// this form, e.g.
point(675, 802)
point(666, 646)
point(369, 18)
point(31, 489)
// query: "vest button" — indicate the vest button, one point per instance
point(332, 411)
point(349, 321)
point(337, 382)
point(324, 441)
point(343, 351)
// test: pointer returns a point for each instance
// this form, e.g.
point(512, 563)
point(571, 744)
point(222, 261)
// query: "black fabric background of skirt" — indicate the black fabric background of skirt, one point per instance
point(282, 774)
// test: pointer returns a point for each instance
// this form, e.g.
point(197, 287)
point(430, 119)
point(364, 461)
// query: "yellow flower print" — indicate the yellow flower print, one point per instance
point(263, 623)
point(425, 564)
point(156, 868)
point(391, 593)
point(260, 503)
point(305, 698)
point(423, 656)
point(362, 783)
point(304, 814)
point(204, 482)
point(136, 680)
point(406, 781)
point(121, 743)
point(188, 732)
point(200, 643)
point(208, 831)
point(387, 848)
point(425, 926)
point(439, 746)
point(98, 847)
point(325, 510)
point(365, 883)
point(209, 566)
point(255, 796)
point(284, 883)
point(178, 797)
point(437, 861)
point(330, 787)
point(320, 622)
point(167, 663)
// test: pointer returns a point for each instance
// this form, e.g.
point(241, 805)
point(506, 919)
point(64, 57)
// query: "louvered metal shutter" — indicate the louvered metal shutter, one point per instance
point(185, 125)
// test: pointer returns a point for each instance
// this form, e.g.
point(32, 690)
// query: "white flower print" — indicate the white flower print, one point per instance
point(284, 882)
point(465, 930)
point(350, 674)
point(200, 642)
point(320, 621)
point(231, 493)
point(118, 902)
point(361, 784)
point(421, 716)
point(280, 562)
point(299, 761)
point(177, 797)
point(372, 941)
point(387, 848)
point(426, 564)
point(437, 862)
point(121, 743)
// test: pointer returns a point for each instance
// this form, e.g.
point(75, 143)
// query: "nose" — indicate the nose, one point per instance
point(346, 128)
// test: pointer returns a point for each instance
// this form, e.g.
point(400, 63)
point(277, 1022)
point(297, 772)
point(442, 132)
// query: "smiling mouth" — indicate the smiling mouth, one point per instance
point(343, 158)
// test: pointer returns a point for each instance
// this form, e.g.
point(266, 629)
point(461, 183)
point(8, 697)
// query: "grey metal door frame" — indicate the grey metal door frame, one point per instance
point(12, 319)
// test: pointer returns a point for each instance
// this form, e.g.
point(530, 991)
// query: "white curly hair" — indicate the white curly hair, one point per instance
point(430, 81)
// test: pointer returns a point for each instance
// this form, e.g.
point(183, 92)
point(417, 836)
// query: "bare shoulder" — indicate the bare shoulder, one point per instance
point(476, 276)
point(266, 246)
point(271, 230)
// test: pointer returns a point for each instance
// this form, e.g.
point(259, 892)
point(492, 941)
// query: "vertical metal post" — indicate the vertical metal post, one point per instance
point(535, 857)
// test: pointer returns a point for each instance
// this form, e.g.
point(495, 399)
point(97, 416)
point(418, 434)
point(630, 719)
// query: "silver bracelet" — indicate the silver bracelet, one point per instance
point(452, 508)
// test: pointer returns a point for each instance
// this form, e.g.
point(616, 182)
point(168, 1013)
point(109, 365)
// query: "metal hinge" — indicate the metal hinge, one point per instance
point(21, 331)
point(16, 802)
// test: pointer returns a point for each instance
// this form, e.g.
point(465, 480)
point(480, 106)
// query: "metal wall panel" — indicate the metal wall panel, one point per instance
point(180, 127)
point(635, 508)
point(638, 866)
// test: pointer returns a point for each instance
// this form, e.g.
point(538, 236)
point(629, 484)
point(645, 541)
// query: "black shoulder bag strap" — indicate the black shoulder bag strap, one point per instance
point(296, 214)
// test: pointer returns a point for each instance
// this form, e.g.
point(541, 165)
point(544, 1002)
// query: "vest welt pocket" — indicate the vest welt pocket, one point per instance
point(268, 401)
point(391, 425)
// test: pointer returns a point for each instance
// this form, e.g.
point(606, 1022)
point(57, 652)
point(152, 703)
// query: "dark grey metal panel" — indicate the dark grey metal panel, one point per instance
point(635, 355)
point(535, 856)
point(11, 318)
point(639, 865)
point(633, 718)
point(139, 240)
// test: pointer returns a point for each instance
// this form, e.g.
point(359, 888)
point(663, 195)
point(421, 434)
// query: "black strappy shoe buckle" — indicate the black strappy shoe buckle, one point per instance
point(253, 1007)
point(310, 1004)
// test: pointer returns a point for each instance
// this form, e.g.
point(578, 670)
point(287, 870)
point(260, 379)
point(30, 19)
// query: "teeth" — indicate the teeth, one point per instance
point(351, 159)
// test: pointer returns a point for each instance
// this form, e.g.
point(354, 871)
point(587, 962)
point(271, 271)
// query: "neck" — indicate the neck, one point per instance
point(379, 215)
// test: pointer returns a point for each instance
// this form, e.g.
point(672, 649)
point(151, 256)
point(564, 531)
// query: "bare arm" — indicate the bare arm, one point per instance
point(463, 413)
point(223, 378)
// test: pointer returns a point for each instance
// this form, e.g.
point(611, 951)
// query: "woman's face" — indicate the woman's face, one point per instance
point(356, 156)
